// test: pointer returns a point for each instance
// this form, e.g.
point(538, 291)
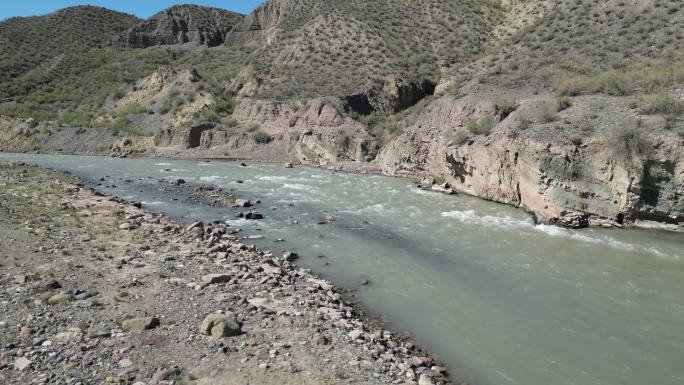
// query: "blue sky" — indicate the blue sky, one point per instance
point(140, 8)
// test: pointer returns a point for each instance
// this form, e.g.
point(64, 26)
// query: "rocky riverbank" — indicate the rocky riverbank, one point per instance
point(97, 290)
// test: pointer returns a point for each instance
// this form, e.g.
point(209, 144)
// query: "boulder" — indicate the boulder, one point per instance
point(215, 278)
point(21, 363)
point(140, 324)
point(59, 298)
point(355, 334)
point(194, 226)
point(574, 220)
point(221, 325)
point(253, 215)
point(443, 188)
point(425, 380)
point(243, 203)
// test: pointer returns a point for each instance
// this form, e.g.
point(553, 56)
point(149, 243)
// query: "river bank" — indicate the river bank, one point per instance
point(98, 290)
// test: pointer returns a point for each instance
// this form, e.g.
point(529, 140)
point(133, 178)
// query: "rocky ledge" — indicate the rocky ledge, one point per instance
point(96, 290)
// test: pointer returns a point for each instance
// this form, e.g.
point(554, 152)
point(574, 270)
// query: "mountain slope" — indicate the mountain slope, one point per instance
point(618, 47)
point(346, 47)
point(30, 42)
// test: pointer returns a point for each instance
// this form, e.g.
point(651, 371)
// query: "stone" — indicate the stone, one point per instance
point(20, 279)
point(574, 220)
point(59, 298)
point(415, 361)
point(290, 256)
point(21, 363)
point(67, 336)
point(355, 334)
point(25, 332)
point(194, 226)
point(220, 325)
point(139, 324)
point(253, 216)
point(319, 340)
point(425, 380)
point(215, 278)
point(52, 285)
point(125, 363)
point(243, 203)
point(164, 375)
point(125, 226)
point(288, 165)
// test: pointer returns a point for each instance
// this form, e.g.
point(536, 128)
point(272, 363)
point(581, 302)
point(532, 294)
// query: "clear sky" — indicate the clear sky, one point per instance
point(141, 8)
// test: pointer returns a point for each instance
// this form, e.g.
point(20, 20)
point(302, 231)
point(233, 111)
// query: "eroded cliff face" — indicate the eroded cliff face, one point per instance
point(315, 132)
point(182, 24)
point(552, 180)
point(261, 21)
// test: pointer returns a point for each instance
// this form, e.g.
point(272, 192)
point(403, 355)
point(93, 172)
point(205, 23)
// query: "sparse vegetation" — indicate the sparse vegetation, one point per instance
point(629, 143)
point(260, 137)
point(481, 126)
point(460, 137)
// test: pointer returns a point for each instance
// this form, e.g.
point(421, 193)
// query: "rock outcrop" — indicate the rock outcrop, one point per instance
point(549, 178)
point(182, 24)
point(261, 20)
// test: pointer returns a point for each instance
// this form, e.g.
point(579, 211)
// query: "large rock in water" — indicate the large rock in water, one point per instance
point(221, 325)
point(182, 24)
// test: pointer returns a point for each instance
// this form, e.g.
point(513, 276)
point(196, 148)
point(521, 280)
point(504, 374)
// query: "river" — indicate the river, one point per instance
point(497, 298)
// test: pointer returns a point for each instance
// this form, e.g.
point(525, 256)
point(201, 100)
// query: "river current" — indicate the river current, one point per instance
point(497, 298)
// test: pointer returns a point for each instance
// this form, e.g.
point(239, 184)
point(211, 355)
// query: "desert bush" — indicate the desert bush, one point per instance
point(571, 86)
point(547, 113)
point(482, 126)
point(660, 104)
point(460, 137)
point(260, 137)
point(563, 102)
point(628, 143)
point(343, 141)
point(505, 107)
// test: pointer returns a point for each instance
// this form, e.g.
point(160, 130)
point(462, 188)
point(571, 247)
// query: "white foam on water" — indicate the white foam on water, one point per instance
point(299, 187)
point(163, 164)
point(472, 218)
point(211, 178)
point(420, 191)
point(273, 178)
point(153, 203)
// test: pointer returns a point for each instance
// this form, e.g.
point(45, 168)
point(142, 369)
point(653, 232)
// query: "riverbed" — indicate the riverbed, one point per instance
point(497, 298)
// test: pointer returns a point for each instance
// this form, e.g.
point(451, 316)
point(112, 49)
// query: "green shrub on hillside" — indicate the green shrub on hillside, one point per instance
point(629, 143)
point(460, 137)
point(660, 104)
point(505, 107)
point(482, 126)
point(563, 102)
point(260, 137)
